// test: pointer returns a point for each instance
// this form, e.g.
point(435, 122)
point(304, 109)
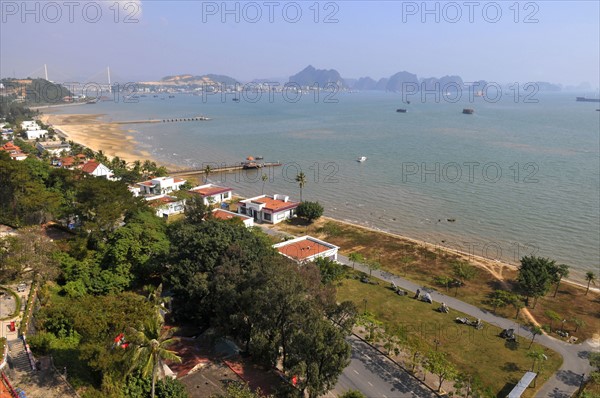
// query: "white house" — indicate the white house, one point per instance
point(271, 209)
point(166, 206)
point(30, 125)
point(307, 248)
point(212, 193)
point(35, 134)
point(97, 169)
point(160, 185)
point(54, 147)
point(228, 215)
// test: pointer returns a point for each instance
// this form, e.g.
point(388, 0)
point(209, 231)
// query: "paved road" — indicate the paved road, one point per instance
point(563, 384)
point(376, 376)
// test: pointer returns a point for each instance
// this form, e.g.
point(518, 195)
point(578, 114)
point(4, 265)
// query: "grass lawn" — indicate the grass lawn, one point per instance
point(476, 352)
point(427, 263)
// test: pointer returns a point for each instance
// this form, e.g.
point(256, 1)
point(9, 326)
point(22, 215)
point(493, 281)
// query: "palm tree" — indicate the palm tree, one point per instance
point(207, 171)
point(157, 300)
point(535, 331)
point(264, 179)
point(150, 350)
point(355, 258)
point(562, 271)
point(590, 277)
point(301, 180)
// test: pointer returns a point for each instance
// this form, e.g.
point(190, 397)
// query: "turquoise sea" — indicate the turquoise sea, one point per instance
point(514, 178)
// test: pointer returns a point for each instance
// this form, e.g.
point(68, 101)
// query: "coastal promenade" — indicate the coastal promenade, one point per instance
point(562, 384)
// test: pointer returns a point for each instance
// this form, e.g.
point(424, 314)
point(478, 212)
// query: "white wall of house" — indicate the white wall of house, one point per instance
point(54, 148)
point(102, 171)
point(35, 134)
point(30, 125)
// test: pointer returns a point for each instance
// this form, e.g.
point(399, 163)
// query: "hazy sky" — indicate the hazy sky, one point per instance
point(475, 39)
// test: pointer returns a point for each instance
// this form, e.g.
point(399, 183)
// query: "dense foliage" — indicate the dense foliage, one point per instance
point(310, 210)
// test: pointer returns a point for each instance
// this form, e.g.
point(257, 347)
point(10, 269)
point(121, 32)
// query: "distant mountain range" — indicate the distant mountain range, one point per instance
point(310, 76)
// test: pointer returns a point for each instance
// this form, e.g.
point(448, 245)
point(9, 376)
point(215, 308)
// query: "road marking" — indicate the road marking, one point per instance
point(355, 371)
point(370, 383)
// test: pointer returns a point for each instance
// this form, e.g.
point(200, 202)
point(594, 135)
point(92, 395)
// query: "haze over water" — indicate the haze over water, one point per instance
point(517, 178)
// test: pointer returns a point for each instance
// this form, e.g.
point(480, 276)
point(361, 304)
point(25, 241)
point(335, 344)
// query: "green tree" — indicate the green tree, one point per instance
point(535, 277)
point(353, 394)
point(463, 271)
point(438, 364)
point(356, 258)
point(207, 171)
point(560, 271)
point(373, 265)
point(150, 349)
point(196, 210)
point(579, 323)
point(318, 353)
point(301, 180)
point(553, 316)
point(264, 179)
point(500, 298)
point(535, 331)
point(310, 210)
point(443, 280)
point(590, 277)
point(594, 359)
point(331, 271)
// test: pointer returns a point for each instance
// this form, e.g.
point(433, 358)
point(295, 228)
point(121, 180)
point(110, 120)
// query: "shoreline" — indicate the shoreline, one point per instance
point(487, 264)
point(88, 130)
point(113, 139)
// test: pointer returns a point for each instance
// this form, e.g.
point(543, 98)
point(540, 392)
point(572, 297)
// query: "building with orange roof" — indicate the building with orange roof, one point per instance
point(165, 205)
point(14, 151)
point(212, 193)
point(228, 215)
point(271, 209)
point(307, 248)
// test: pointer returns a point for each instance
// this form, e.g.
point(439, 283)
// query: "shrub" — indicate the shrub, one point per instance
point(310, 210)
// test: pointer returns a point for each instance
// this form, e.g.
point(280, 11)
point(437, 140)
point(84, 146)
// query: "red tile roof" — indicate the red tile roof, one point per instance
point(210, 191)
point(225, 215)
point(161, 201)
point(276, 205)
point(90, 166)
point(302, 249)
point(9, 147)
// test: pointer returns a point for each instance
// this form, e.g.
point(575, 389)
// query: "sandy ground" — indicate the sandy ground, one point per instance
point(111, 138)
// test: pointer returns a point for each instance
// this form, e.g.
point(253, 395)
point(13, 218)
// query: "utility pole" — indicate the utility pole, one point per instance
point(109, 85)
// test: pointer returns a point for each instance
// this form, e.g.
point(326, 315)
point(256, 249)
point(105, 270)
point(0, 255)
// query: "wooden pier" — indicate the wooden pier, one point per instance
point(172, 120)
point(240, 166)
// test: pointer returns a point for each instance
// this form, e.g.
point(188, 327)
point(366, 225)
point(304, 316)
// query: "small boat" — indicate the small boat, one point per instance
point(401, 110)
point(171, 96)
point(406, 102)
point(584, 99)
point(468, 111)
point(236, 100)
point(259, 158)
point(361, 159)
point(93, 101)
point(155, 96)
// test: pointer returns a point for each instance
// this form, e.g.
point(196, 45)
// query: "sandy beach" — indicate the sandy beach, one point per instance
point(89, 130)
